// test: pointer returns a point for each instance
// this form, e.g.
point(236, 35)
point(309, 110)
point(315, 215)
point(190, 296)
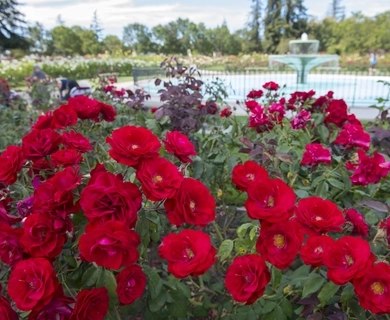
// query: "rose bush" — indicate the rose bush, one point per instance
point(124, 214)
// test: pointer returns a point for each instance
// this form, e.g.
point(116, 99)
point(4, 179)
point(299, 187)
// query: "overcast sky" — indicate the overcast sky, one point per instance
point(115, 14)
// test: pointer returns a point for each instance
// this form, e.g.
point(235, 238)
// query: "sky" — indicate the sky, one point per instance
point(115, 14)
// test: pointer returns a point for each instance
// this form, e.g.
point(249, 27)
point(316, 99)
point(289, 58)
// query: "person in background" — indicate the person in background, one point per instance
point(75, 89)
point(62, 85)
point(372, 63)
point(38, 74)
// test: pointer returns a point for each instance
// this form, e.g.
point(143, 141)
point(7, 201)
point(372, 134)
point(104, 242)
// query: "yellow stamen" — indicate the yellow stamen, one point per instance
point(157, 178)
point(279, 241)
point(377, 288)
point(250, 176)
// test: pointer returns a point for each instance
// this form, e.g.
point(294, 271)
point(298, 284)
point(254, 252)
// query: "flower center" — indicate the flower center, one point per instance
point(192, 205)
point(377, 288)
point(271, 202)
point(349, 260)
point(157, 178)
point(279, 241)
point(134, 146)
point(250, 176)
point(190, 253)
point(318, 250)
point(318, 218)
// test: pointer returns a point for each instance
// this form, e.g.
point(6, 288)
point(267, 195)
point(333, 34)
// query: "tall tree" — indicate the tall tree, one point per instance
point(254, 25)
point(89, 41)
point(138, 37)
point(296, 19)
point(66, 41)
point(12, 26)
point(37, 37)
point(274, 24)
point(60, 21)
point(96, 26)
point(336, 10)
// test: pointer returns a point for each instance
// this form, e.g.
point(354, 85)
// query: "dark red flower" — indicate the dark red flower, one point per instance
point(315, 154)
point(192, 204)
point(25, 206)
point(63, 117)
point(246, 278)
point(130, 144)
point(359, 226)
point(348, 258)
point(299, 98)
point(226, 112)
point(259, 119)
point(11, 251)
point(318, 216)
point(4, 216)
point(271, 200)
point(189, 253)
point(314, 248)
point(74, 140)
point(246, 174)
point(107, 111)
point(6, 311)
point(44, 121)
point(40, 143)
point(107, 197)
point(159, 178)
point(255, 94)
point(32, 284)
point(91, 304)
point(85, 107)
point(252, 104)
point(153, 110)
point(272, 86)
point(66, 157)
point(279, 243)
point(179, 144)
point(11, 162)
point(353, 120)
point(373, 289)
point(353, 136)
point(131, 284)
point(112, 245)
point(277, 112)
point(337, 112)
point(300, 120)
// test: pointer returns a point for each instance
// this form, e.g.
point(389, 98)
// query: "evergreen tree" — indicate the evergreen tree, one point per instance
point(254, 25)
point(296, 19)
point(274, 24)
point(96, 27)
point(60, 21)
point(336, 10)
point(12, 26)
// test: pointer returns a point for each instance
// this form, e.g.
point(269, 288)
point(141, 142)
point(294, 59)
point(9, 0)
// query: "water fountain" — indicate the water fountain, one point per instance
point(303, 57)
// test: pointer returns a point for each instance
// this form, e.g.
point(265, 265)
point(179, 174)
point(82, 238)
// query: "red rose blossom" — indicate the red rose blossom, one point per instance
point(373, 289)
point(272, 86)
point(131, 284)
point(252, 104)
point(130, 144)
point(44, 121)
point(271, 200)
point(353, 136)
point(66, 157)
point(226, 112)
point(260, 120)
point(40, 143)
point(277, 112)
point(314, 248)
point(91, 304)
point(299, 98)
point(112, 245)
point(192, 204)
point(11, 162)
point(160, 178)
point(315, 154)
point(107, 197)
point(11, 251)
point(318, 216)
point(246, 174)
point(279, 243)
point(4, 216)
point(63, 117)
point(107, 111)
point(74, 140)
point(32, 284)
point(337, 112)
point(300, 120)
point(179, 144)
point(359, 226)
point(6, 311)
point(348, 258)
point(85, 107)
point(189, 253)
point(255, 94)
point(246, 278)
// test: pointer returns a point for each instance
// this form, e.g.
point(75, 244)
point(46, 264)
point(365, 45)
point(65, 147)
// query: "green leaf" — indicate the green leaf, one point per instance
point(312, 285)
point(323, 133)
point(322, 190)
point(242, 229)
point(268, 307)
point(200, 312)
point(357, 310)
point(286, 305)
point(180, 305)
point(91, 277)
point(348, 293)
point(327, 292)
point(183, 288)
point(302, 194)
point(156, 303)
point(252, 233)
point(107, 279)
point(155, 283)
point(279, 314)
point(276, 278)
point(336, 183)
point(225, 249)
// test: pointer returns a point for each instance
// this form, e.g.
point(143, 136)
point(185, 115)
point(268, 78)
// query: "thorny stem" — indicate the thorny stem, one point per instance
point(201, 283)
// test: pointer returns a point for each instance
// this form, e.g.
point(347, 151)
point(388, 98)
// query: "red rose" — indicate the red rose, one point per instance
point(279, 243)
point(130, 144)
point(131, 284)
point(299, 98)
point(85, 107)
point(107, 197)
point(112, 245)
point(359, 226)
point(11, 162)
point(348, 258)
point(373, 289)
point(40, 237)
point(192, 204)
point(55, 196)
point(353, 120)
point(255, 94)
point(64, 116)
point(153, 110)
point(32, 284)
point(189, 253)
point(314, 249)
point(160, 178)
point(74, 140)
point(272, 86)
point(271, 200)
point(252, 104)
point(315, 154)
point(107, 112)
point(91, 304)
point(4, 216)
point(40, 143)
point(353, 136)
point(66, 157)
point(259, 119)
point(337, 112)
point(369, 169)
point(226, 112)
point(6, 311)
point(178, 144)
point(277, 112)
point(246, 174)
point(318, 216)
point(300, 120)
point(246, 278)
point(11, 251)
point(44, 121)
